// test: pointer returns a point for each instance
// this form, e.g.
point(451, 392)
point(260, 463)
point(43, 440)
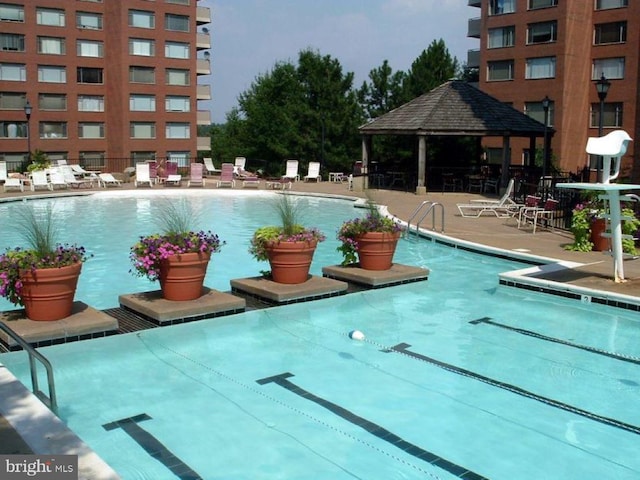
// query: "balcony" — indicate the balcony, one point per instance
point(473, 58)
point(203, 41)
point(473, 28)
point(203, 67)
point(475, 3)
point(203, 144)
point(203, 15)
point(203, 92)
point(203, 117)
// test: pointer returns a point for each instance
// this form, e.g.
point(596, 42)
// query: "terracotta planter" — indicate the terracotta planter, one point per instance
point(290, 261)
point(182, 276)
point(47, 293)
point(600, 243)
point(376, 249)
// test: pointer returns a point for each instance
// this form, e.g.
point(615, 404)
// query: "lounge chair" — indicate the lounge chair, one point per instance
point(39, 180)
point(209, 167)
point(240, 162)
point(196, 175)
point(292, 171)
point(81, 172)
point(9, 182)
point(313, 172)
point(250, 181)
point(3, 171)
point(172, 175)
point(226, 176)
point(107, 179)
point(71, 180)
point(504, 207)
point(142, 175)
point(536, 214)
point(56, 179)
point(153, 171)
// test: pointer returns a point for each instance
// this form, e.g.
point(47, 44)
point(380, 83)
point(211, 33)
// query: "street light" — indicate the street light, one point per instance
point(27, 112)
point(602, 87)
point(546, 101)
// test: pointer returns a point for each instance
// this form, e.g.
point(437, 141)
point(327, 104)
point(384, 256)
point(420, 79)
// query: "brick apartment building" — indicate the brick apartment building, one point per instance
point(110, 82)
point(559, 49)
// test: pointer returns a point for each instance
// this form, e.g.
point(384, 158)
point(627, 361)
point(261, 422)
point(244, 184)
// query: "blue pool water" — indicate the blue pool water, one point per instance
point(457, 378)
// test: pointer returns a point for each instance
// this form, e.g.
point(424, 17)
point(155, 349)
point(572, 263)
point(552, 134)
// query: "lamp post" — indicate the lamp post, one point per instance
point(545, 148)
point(27, 112)
point(602, 87)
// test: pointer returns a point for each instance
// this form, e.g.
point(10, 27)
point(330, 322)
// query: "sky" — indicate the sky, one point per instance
point(248, 37)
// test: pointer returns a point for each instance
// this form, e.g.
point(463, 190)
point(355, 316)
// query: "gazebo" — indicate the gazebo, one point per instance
point(455, 108)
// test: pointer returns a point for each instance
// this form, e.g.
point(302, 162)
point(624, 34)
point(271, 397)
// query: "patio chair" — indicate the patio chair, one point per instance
point(292, 171)
point(153, 171)
point(491, 184)
point(107, 179)
point(530, 202)
point(196, 175)
point(172, 175)
point(313, 172)
point(538, 214)
point(210, 168)
point(142, 175)
point(505, 207)
point(9, 182)
point(226, 176)
point(71, 180)
point(3, 171)
point(56, 179)
point(39, 180)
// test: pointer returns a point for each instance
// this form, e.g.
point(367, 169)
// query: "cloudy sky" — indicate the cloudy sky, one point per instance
point(249, 36)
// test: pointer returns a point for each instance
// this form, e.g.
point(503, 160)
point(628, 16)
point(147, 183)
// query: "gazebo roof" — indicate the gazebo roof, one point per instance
point(455, 108)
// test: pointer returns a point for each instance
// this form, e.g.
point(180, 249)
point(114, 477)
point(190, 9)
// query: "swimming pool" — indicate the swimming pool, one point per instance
point(455, 375)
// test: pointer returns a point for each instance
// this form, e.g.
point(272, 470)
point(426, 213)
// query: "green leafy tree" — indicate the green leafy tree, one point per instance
point(384, 91)
point(432, 68)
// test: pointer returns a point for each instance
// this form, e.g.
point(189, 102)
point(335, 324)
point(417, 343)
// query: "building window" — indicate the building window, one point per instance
point(91, 21)
point(13, 129)
point(90, 103)
point(91, 130)
point(608, 4)
point(89, 75)
point(49, 16)
point(142, 130)
point(12, 42)
point(181, 158)
point(615, 32)
point(51, 74)
point(498, 7)
point(501, 70)
point(179, 2)
point(142, 47)
point(533, 4)
point(141, 19)
point(176, 23)
point(52, 101)
point(177, 130)
point(611, 68)
point(177, 77)
point(544, 32)
point(142, 75)
point(53, 129)
point(12, 100)
point(11, 13)
point(611, 118)
point(142, 156)
point(142, 103)
point(501, 37)
point(544, 67)
point(90, 48)
point(92, 160)
point(13, 72)
point(536, 111)
point(177, 104)
point(176, 50)
point(51, 46)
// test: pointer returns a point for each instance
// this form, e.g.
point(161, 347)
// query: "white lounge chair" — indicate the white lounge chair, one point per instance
point(9, 182)
point(226, 176)
point(292, 171)
point(196, 175)
point(142, 174)
point(504, 207)
point(71, 180)
point(56, 179)
point(3, 171)
point(106, 179)
point(210, 167)
point(313, 172)
point(39, 180)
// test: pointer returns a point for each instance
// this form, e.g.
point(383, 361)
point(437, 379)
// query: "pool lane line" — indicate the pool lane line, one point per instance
point(373, 428)
point(153, 446)
point(598, 351)
point(402, 348)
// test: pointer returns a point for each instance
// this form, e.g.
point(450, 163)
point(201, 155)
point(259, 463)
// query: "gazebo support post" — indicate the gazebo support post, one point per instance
point(506, 161)
point(361, 183)
point(421, 189)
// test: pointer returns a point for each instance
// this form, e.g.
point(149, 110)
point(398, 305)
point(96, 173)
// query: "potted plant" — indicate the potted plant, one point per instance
point(43, 277)
point(39, 161)
point(288, 247)
point(179, 256)
point(370, 241)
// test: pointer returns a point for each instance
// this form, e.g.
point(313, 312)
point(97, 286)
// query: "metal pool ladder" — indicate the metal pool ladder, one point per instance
point(425, 208)
point(50, 401)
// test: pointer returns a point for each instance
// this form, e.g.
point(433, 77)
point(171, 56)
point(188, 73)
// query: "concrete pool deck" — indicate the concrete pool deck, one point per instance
point(582, 273)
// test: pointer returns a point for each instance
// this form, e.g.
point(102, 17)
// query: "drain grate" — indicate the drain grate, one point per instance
point(128, 321)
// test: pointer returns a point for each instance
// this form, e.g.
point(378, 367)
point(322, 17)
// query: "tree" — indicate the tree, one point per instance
point(432, 68)
point(383, 93)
